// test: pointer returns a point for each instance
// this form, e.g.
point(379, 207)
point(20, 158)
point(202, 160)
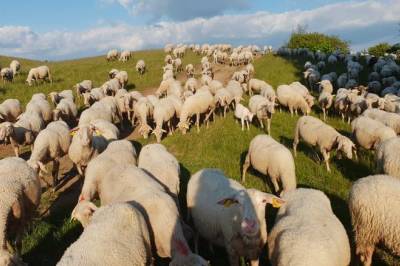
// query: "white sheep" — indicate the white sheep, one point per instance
point(163, 112)
point(120, 228)
point(271, 158)
point(15, 67)
point(387, 157)
point(325, 86)
point(141, 67)
point(111, 87)
point(307, 232)
point(10, 109)
point(156, 160)
point(19, 197)
point(223, 98)
point(39, 73)
point(125, 56)
point(263, 109)
point(292, 99)
point(6, 74)
point(142, 111)
point(41, 107)
point(83, 86)
point(177, 64)
point(257, 85)
point(191, 84)
point(325, 101)
point(93, 96)
point(316, 133)
point(373, 202)
point(236, 89)
point(214, 86)
point(389, 119)
point(122, 77)
point(112, 73)
point(228, 215)
point(300, 88)
point(112, 55)
point(369, 133)
point(56, 97)
point(51, 144)
point(189, 70)
point(244, 114)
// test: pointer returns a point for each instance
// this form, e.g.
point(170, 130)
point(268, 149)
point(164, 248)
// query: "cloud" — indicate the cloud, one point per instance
point(362, 23)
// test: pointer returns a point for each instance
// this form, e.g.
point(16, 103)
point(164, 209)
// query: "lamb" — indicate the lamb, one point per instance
point(39, 73)
point(125, 56)
point(51, 144)
point(199, 103)
point(191, 85)
point(122, 77)
point(141, 67)
point(85, 145)
point(23, 132)
point(244, 114)
point(387, 157)
point(15, 67)
point(6, 74)
point(93, 96)
point(325, 101)
point(228, 215)
point(142, 110)
point(112, 55)
point(292, 99)
point(83, 86)
point(156, 160)
point(56, 97)
point(189, 71)
point(389, 119)
point(369, 133)
point(263, 109)
point(223, 98)
point(163, 112)
point(307, 232)
point(41, 107)
point(271, 158)
point(316, 133)
point(19, 198)
point(372, 203)
point(120, 227)
point(10, 109)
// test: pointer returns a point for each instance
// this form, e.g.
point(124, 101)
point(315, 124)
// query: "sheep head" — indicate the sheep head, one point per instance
point(83, 212)
point(346, 146)
point(6, 131)
point(158, 132)
point(183, 126)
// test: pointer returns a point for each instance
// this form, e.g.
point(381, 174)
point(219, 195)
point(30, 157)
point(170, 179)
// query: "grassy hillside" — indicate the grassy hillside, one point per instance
point(223, 145)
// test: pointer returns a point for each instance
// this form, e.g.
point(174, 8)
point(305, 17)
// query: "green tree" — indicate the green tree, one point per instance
point(380, 49)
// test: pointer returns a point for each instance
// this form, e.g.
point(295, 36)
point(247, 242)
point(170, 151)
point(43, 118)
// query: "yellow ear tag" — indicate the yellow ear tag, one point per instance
point(72, 133)
point(276, 203)
point(229, 202)
point(97, 133)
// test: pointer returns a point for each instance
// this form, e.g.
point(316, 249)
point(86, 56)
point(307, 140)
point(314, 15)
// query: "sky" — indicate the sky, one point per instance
point(56, 30)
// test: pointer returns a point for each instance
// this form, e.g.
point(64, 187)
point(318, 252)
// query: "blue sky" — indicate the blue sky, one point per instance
point(46, 29)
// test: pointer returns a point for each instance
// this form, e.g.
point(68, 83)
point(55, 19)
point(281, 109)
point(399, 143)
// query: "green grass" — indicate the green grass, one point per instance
point(223, 145)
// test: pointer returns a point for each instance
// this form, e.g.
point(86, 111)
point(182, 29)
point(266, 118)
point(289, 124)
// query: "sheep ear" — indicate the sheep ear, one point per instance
point(73, 131)
point(228, 202)
point(275, 201)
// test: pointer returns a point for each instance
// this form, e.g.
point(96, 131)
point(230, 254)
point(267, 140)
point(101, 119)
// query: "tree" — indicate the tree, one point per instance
point(316, 41)
point(380, 49)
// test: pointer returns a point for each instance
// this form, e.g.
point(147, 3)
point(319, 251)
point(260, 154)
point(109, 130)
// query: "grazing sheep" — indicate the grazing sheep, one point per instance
point(307, 232)
point(342, 103)
point(235, 88)
point(141, 67)
point(369, 133)
point(257, 85)
point(93, 96)
point(201, 102)
point(244, 114)
point(85, 145)
point(142, 110)
point(112, 73)
point(325, 86)
point(292, 99)
point(214, 86)
point(316, 133)
point(191, 84)
point(357, 105)
point(325, 101)
point(111, 87)
point(120, 228)
point(125, 56)
point(23, 132)
point(300, 88)
point(15, 67)
point(106, 129)
point(271, 158)
point(163, 112)
point(178, 65)
point(56, 97)
point(387, 157)
point(51, 144)
point(39, 73)
point(263, 109)
point(156, 160)
point(106, 108)
point(373, 202)
point(228, 215)
point(41, 107)
point(389, 119)
point(6, 74)
point(223, 98)
point(112, 55)
point(122, 77)
point(189, 71)
point(10, 109)
point(83, 86)
point(19, 197)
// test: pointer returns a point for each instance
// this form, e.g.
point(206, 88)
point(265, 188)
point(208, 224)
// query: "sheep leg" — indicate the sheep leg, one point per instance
point(254, 262)
point(269, 126)
point(225, 107)
point(242, 122)
point(261, 122)
point(80, 170)
point(325, 154)
point(169, 127)
point(247, 123)
point(56, 167)
point(295, 111)
point(16, 151)
point(323, 111)
point(245, 166)
point(366, 255)
point(198, 122)
point(275, 183)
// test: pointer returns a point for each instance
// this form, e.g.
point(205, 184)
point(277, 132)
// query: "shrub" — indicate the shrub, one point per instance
point(380, 49)
point(317, 41)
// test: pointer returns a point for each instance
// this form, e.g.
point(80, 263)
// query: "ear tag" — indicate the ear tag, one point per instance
point(276, 203)
point(228, 202)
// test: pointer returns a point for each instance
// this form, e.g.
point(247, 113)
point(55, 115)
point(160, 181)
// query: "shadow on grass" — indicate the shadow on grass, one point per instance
point(130, 86)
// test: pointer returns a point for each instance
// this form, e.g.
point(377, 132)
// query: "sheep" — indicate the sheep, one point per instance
point(112, 73)
point(244, 114)
point(168, 59)
point(175, 88)
point(325, 101)
point(41, 107)
point(122, 77)
point(51, 144)
point(141, 67)
point(163, 112)
point(369, 133)
point(235, 88)
point(191, 84)
point(316, 133)
point(325, 86)
point(387, 158)
point(178, 65)
point(189, 71)
point(223, 98)
point(228, 215)
point(389, 119)
point(142, 110)
point(201, 102)
point(250, 70)
point(342, 80)
point(85, 145)
point(123, 99)
point(292, 99)
point(10, 109)
point(374, 214)
point(118, 227)
point(357, 105)
point(131, 184)
point(23, 132)
point(214, 86)
point(93, 96)
point(111, 87)
point(263, 109)
point(205, 80)
point(96, 111)
point(271, 158)
point(125, 56)
point(312, 76)
point(56, 97)
point(257, 85)
point(307, 232)
point(156, 160)
point(374, 101)
point(6, 74)
point(39, 73)
point(83, 86)
point(106, 129)
point(15, 67)
point(300, 88)
point(269, 93)
point(112, 55)
point(332, 59)
point(19, 198)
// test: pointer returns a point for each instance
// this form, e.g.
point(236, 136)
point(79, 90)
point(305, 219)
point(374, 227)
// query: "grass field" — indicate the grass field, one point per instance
point(223, 145)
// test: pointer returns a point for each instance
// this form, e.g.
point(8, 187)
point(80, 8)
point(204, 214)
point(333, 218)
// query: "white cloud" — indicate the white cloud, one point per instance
point(362, 23)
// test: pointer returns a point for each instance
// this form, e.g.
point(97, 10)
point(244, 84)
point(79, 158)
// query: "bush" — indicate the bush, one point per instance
point(317, 41)
point(379, 49)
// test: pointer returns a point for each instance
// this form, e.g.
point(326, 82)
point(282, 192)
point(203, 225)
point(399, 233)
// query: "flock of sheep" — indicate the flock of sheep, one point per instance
point(139, 191)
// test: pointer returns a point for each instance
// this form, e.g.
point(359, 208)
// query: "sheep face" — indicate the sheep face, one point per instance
point(85, 134)
point(158, 132)
point(346, 146)
point(183, 126)
point(6, 130)
point(83, 212)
